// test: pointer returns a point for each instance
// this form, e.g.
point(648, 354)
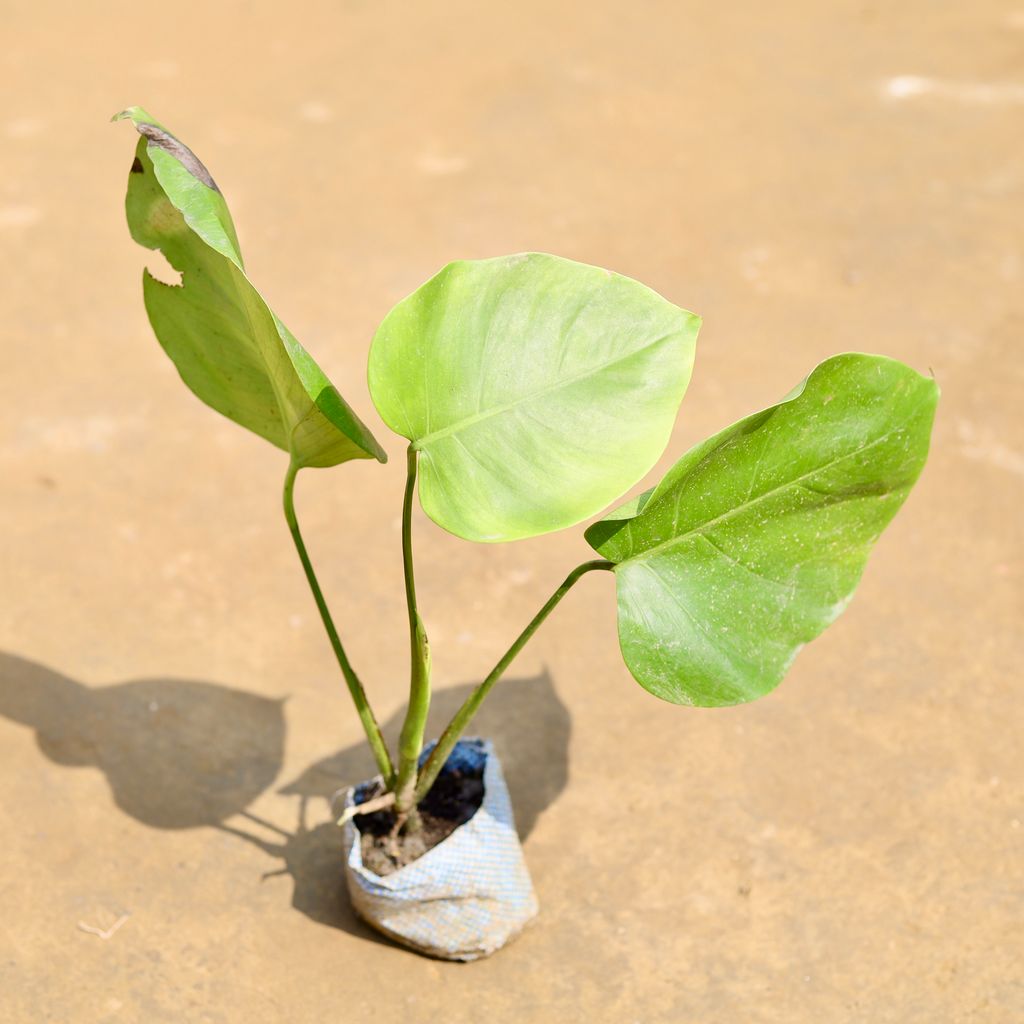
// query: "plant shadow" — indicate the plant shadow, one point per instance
point(181, 754)
point(530, 727)
point(176, 753)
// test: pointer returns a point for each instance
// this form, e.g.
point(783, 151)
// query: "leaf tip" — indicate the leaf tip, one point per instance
point(133, 113)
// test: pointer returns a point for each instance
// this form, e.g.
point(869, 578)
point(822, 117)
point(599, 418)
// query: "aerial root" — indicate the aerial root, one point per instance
point(378, 803)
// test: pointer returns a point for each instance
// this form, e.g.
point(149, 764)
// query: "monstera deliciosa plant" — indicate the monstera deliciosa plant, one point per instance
point(534, 391)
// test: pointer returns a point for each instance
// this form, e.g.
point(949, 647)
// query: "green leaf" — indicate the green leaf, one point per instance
point(227, 344)
point(756, 539)
point(535, 389)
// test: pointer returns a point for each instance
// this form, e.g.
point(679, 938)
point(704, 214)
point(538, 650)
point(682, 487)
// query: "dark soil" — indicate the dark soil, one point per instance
point(453, 799)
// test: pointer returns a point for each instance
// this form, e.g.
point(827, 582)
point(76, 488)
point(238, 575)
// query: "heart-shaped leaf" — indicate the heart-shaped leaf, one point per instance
point(756, 539)
point(227, 344)
point(535, 389)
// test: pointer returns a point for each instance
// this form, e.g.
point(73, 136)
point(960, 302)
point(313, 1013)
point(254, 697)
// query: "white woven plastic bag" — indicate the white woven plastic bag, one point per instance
point(464, 898)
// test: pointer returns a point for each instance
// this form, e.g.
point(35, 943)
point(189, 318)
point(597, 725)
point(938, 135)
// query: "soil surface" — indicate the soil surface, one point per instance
point(453, 799)
point(811, 178)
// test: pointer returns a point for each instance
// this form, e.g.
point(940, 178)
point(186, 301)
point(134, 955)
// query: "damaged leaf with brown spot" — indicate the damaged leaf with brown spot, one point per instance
point(229, 347)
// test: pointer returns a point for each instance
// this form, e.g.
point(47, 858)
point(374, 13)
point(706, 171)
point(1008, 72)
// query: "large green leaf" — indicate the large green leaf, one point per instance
point(227, 344)
point(535, 389)
point(756, 539)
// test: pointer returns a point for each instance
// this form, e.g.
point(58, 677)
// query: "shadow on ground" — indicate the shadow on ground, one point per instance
point(180, 754)
point(176, 754)
point(530, 727)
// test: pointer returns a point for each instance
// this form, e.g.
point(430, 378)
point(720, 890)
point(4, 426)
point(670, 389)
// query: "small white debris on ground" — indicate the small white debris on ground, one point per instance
point(904, 87)
point(101, 932)
point(18, 216)
point(440, 165)
point(981, 444)
point(23, 127)
point(316, 112)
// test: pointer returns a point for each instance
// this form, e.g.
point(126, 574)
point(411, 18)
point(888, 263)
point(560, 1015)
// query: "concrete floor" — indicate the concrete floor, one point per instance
point(811, 178)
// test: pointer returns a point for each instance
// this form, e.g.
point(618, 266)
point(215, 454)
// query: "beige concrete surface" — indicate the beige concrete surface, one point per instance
point(812, 177)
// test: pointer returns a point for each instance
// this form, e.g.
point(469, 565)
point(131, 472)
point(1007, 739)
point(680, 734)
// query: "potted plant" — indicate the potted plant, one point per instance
point(534, 391)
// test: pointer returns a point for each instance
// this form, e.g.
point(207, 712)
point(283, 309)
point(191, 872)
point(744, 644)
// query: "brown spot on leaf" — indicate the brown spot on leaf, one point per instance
point(137, 166)
point(180, 152)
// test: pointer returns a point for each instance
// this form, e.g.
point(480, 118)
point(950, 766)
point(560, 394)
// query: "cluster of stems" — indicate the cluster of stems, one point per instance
point(408, 781)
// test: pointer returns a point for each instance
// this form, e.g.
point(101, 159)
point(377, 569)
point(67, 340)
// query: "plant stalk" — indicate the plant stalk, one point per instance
point(355, 687)
point(446, 744)
point(410, 743)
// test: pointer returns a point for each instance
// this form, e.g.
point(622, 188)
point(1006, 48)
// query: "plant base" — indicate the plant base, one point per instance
point(464, 898)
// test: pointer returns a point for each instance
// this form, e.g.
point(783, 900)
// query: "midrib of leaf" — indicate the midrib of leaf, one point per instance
point(497, 410)
point(237, 296)
point(290, 421)
point(285, 410)
point(700, 528)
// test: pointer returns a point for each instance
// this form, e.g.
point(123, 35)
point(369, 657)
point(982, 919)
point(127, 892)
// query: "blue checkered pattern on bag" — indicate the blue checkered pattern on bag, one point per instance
point(467, 896)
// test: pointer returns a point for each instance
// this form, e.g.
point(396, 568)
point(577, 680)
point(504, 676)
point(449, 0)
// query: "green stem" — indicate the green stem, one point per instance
point(410, 743)
point(355, 687)
point(462, 718)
